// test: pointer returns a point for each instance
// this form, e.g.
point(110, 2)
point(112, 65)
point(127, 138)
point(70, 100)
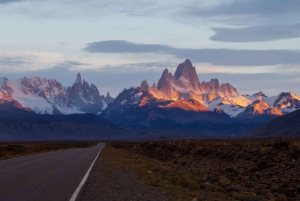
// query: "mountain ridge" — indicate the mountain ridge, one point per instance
point(48, 96)
point(224, 98)
point(178, 100)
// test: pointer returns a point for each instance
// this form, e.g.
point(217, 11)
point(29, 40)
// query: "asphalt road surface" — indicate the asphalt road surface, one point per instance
point(51, 176)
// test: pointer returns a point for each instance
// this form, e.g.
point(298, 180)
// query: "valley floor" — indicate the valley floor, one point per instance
point(265, 169)
point(13, 150)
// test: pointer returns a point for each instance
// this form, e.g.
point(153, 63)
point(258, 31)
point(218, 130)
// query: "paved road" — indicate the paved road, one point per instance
point(51, 176)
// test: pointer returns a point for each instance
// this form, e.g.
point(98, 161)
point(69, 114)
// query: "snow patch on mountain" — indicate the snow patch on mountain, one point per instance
point(232, 111)
point(51, 97)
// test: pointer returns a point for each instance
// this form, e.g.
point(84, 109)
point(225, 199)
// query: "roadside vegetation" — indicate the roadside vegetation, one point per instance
point(216, 169)
point(12, 150)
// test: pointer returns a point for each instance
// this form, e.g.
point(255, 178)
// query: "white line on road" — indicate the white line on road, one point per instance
point(74, 196)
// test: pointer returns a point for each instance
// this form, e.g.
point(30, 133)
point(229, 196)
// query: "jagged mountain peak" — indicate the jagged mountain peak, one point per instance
point(165, 72)
point(144, 86)
point(184, 69)
point(188, 71)
point(78, 79)
point(108, 95)
point(260, 94)
point(290, 94)
point(48, 96)
point(215, 81)
point(186, 85)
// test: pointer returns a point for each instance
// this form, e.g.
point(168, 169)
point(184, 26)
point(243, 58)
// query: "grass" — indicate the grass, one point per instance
point(13, 150)
point(151, 172)
point(218, 169)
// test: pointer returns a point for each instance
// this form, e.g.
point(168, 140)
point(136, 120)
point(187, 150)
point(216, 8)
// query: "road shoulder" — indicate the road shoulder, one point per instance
point(113, 178)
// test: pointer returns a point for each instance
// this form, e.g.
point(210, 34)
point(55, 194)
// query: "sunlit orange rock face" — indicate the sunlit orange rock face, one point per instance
point(260, 107)
point(185, 85)
point(275, 112)
point(285, 101)
point(145, 100)
point(183, 93)
point(187, 105)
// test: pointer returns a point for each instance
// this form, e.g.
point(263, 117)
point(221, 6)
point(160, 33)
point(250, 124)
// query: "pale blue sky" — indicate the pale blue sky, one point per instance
point(115, 44)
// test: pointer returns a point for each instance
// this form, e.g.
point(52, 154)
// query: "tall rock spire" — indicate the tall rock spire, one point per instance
point(164, 83)
point(187, 71)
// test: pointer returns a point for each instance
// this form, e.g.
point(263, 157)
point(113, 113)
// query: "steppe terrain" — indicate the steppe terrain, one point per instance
point(13, 150)
point(263, 169)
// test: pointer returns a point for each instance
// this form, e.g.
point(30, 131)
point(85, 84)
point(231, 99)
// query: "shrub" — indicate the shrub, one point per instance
point(282, 145)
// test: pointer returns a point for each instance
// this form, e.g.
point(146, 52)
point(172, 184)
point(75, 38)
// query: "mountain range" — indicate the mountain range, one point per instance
point(182, 99)
point(178, 101)
point(48, 96)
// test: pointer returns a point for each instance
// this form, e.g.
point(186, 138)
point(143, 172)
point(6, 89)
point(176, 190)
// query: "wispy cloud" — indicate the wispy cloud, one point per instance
point(9, 1)
point(22, 61)
point(88, 8)
point(226, 57)
point(257, 33)
point(121, 46)
point(267, 9)
point(16, 61)
point(264, 20)
point(137, 66)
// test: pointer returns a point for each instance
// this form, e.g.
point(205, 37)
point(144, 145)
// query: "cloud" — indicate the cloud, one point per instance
point(225, 57)
point(265, 8)
point(22, 61)
point(121, 46)
point(265, 20)
point(89, 8)
point(70, 64)
point(137, 66)
point(16, 61)
point(257, 33)
point(9, 1)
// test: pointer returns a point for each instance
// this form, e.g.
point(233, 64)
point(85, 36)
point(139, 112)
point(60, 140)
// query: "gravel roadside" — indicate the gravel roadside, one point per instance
point(110, 180)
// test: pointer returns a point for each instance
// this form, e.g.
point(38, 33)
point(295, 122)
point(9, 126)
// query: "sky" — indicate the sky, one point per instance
point(252, 44)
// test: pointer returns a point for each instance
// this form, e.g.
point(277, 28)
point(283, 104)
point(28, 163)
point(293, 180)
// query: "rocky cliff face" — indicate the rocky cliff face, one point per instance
point(187, 77)
point(186, 85)
point(139, 108)
point(287, 102)
point(86, 97)
point(108, 99)
point(219, 98)
point(51, 97)
point(260, 108)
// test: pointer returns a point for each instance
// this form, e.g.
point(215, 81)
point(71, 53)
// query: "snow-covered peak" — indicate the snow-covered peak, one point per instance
point(51, 97)
point(294, 96)
point(40, 86)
